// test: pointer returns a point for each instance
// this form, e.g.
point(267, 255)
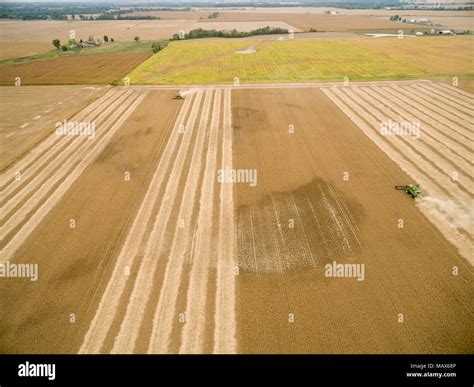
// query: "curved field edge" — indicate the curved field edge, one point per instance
point(216, 61)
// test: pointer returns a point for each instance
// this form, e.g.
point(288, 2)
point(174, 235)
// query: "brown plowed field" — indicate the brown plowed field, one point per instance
point(85, 69)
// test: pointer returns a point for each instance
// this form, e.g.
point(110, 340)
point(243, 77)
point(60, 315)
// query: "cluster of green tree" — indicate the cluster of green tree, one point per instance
point(60, 11)
point(353, 4)
point(72, 43)
point(395, 18)
point(110, 16)
point(164, 9)
point(47, 11)
point(439, 8)
point(33, 16)
point(213, 15)
point(156, 47)
point(201, 33)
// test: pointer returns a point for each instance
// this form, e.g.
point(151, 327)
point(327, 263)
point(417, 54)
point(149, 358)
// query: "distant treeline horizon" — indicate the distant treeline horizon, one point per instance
point(116, 10)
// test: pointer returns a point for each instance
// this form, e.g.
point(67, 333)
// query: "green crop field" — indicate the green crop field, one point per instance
point(216, 61)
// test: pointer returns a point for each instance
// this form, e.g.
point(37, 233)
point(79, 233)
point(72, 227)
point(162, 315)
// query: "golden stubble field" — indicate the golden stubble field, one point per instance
point(166, 258)
point(28, 114)
point(303, 214)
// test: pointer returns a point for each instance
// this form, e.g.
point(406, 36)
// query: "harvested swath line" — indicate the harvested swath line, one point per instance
point(453, 155)
point(58, 150)
point(64, 155)
point(165, 308)
point(366, 120)
point(456, 113)
point(54, 143)
point(453, 97)
point(8, 175)
point(429, 186)
point(225, 319)
point(459, 124)
point(452, 102)
point(446, 155)
point(450, 114)
point(193, 331)
point(373, 105)
point(33, 221)
point(441, 131)
point(126, 338)
point(455, 101)
point(107, 309)
point(409, 153)
point(461, 241)
point(456, 91)
point(447, 118)
point(31, 161)
point(50, 182)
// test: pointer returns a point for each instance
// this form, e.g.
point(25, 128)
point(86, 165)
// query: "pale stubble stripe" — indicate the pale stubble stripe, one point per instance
point(7, 252)
point(129, 329)
point(193, 331)
point(225, 318)
point(66, 157)
point(7, 176)
point(165, 310)
point(109, 303)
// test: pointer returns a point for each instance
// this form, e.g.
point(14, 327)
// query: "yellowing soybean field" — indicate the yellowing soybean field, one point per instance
point(291, 60)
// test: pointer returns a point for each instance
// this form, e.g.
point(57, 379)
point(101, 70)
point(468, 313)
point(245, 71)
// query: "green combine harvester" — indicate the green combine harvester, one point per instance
point(413, 190)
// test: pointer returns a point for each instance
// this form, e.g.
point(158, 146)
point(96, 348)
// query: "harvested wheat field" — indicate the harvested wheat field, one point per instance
point(322, 23)
point(180, 297)
point(121, 30)
point(140, 227)
point(438, 155)
point(16, 50)
point(29, 113)
point(466, 84)
point(85, 69)
point(326, 194)
point(99, 184)
point(214, 235)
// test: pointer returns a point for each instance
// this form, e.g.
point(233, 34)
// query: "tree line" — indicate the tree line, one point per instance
point(201, 33)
